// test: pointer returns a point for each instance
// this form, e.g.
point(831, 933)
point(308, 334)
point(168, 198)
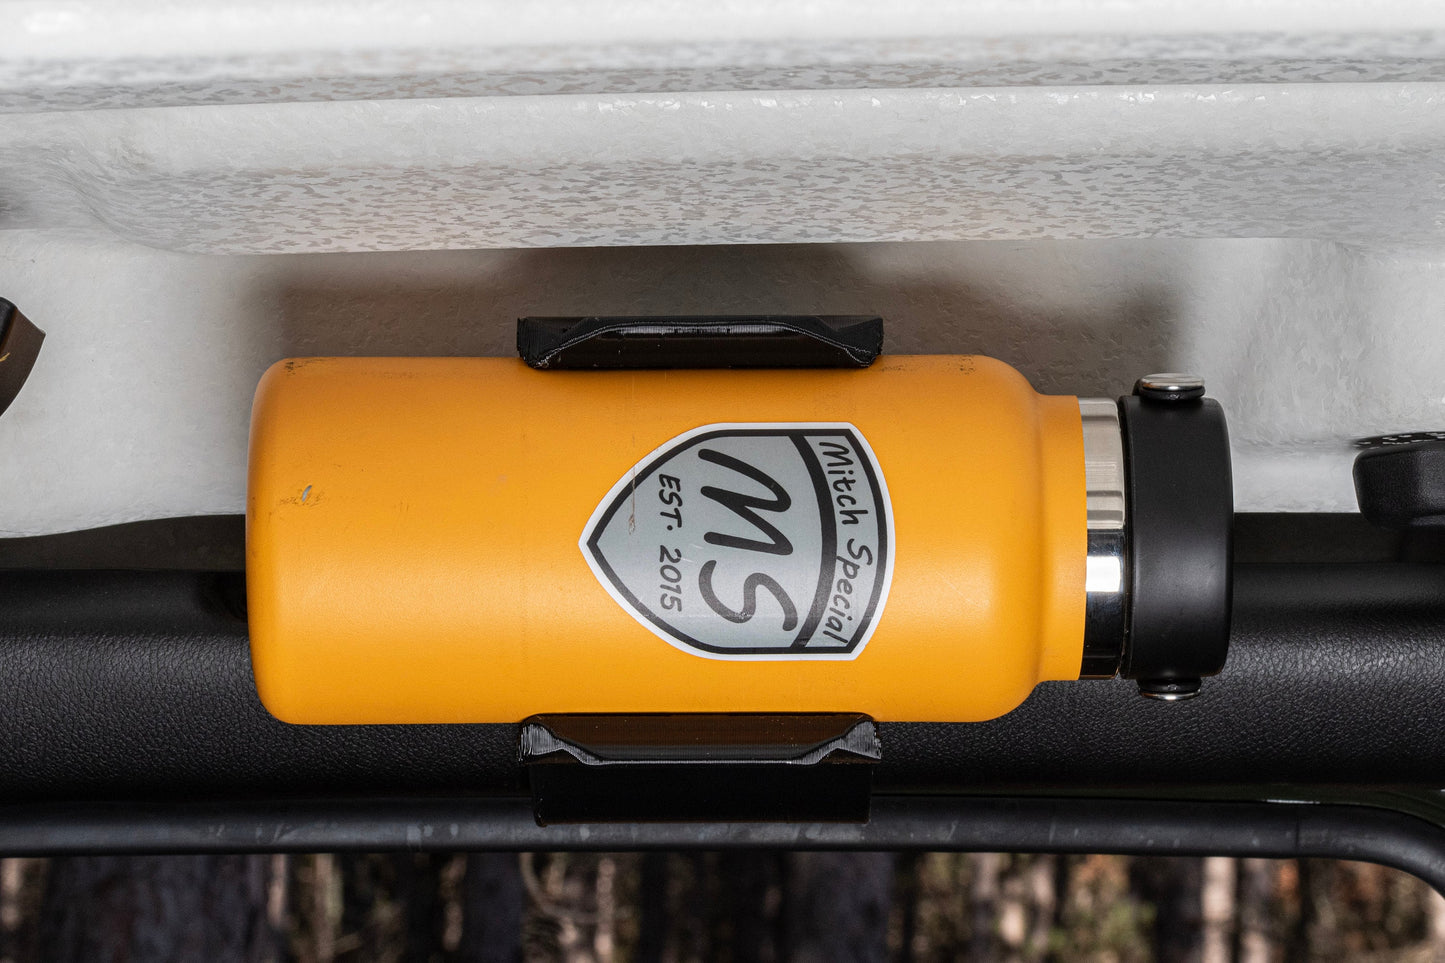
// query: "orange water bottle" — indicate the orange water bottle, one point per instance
point(925, 538)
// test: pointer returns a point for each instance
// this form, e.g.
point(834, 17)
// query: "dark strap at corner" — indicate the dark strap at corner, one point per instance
point(19, 346)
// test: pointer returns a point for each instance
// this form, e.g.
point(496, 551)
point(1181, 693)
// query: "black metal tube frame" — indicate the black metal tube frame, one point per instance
point(930, 823)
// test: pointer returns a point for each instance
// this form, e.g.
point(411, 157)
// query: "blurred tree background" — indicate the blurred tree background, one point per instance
point(732, 906)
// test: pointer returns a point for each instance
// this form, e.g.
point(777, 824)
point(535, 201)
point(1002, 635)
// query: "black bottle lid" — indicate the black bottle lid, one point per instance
point(1181, 512)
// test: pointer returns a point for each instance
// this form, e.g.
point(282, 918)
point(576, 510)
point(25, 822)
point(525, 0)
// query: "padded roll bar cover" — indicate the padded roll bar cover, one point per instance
point(131, 685)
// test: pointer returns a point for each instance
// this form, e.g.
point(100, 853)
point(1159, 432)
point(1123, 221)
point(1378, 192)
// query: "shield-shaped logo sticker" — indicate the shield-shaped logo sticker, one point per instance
point(750, 541)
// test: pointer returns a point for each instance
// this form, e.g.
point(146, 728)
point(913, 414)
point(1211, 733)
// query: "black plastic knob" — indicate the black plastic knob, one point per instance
point(1402, 486)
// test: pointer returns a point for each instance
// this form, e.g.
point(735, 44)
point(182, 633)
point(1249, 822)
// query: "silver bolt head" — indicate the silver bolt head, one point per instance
point(1172, 382)
point(1170, 696)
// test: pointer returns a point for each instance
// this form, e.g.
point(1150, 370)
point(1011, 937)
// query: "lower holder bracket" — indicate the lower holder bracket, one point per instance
point(700, 767)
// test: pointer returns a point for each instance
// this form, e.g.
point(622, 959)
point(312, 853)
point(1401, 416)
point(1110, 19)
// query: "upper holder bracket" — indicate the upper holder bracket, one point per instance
point(744, 341)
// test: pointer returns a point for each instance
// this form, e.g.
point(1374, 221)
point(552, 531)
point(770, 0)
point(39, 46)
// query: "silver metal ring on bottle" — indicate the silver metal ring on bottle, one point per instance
point(1106, 579)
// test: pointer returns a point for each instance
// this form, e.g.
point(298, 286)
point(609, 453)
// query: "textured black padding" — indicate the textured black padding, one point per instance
point(128, 684)
point(1334, 677)
point(124, 685)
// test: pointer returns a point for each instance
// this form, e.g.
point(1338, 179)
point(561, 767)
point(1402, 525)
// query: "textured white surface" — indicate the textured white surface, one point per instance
point(322, 125)
point(457, 65)
point(1341, 161)
point(89, 54)
point(213, 28)
point(139, 405)
point(169, 171)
